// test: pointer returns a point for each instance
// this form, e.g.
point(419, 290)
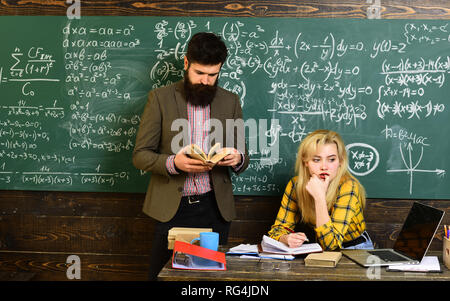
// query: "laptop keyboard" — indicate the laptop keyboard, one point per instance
point(387, 256)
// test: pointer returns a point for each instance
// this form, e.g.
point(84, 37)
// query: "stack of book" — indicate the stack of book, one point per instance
point(184, 235)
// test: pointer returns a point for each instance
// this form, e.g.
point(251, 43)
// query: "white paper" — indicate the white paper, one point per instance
point(268, 256)
point(276, 256)
point(244, 249)
point(428, 264)
point(274, 246)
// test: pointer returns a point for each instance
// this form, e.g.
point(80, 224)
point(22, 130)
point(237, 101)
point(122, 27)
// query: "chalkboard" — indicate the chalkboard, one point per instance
point(72, 92)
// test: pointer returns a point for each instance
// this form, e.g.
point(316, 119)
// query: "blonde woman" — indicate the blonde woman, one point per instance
point(324, 196)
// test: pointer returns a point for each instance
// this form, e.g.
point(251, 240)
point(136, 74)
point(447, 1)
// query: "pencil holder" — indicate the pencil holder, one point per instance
point(446, 252)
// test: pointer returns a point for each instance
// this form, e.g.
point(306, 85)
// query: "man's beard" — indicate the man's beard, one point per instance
point(198, 94)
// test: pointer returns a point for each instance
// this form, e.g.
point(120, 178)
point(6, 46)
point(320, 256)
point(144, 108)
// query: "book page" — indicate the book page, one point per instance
point(214, 149)
point(196, 152)
point(274, 246)
point(217, 157)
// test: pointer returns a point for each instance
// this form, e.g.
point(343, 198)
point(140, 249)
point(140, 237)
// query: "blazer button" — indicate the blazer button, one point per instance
point(180, 189)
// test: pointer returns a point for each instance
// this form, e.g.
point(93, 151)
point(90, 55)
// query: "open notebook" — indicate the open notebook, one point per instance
point(272, 246)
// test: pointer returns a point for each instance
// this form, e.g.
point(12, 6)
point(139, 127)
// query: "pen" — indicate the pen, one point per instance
point(292, 231)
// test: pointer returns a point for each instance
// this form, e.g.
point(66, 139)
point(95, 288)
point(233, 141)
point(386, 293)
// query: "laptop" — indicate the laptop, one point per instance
point(412, 242)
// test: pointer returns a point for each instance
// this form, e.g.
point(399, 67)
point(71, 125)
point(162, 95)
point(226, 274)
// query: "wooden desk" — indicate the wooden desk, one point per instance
point(249, 270)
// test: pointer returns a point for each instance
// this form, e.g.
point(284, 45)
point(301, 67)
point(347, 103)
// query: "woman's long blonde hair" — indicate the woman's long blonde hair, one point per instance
point(308, 148)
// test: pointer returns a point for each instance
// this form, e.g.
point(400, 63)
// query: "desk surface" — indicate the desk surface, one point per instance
point(239, 269)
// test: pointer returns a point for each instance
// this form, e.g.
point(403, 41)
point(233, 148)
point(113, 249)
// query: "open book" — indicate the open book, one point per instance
point(270, 245)
point(216, 153)
point(252, 252)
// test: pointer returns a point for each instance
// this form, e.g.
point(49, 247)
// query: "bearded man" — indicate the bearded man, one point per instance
point(185, 192)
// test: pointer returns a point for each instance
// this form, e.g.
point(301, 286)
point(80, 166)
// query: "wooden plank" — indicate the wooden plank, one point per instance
point(58, 203)
point(85, 230)
point(248, 231)
point(298, 9)
point(385, 234)
point(377, 210)
point(16, 276)
point(130, 205)
point(257, 208)
point(53, 266)
point(109, 235)
point(396, 211)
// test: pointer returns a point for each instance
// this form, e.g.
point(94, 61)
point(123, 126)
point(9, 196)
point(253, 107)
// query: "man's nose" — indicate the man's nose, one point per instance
point(204, 79)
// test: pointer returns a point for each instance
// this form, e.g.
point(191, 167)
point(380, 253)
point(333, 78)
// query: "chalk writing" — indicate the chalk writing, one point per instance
point(71, 105)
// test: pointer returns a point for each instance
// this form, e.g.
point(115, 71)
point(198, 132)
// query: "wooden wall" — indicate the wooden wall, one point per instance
point(108, 231)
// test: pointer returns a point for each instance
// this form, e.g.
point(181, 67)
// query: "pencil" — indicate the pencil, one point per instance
point(292, 231)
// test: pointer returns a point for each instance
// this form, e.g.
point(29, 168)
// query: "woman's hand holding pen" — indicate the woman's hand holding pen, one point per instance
point(293, 239)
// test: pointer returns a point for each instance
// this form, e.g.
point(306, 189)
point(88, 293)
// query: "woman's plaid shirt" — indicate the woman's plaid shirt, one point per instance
point(346, 216)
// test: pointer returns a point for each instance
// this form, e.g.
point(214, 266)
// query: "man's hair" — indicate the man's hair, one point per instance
point(206, 49)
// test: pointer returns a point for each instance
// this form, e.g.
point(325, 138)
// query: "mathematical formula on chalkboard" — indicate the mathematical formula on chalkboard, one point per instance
point(73, 91)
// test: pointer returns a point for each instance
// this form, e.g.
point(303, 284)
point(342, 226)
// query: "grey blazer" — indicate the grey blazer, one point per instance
point(153, 147)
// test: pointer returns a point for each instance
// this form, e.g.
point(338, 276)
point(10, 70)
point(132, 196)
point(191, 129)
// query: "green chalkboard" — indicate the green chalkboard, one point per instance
point(72, 92)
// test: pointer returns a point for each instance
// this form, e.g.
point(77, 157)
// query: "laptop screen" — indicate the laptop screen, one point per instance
point(418, 231)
